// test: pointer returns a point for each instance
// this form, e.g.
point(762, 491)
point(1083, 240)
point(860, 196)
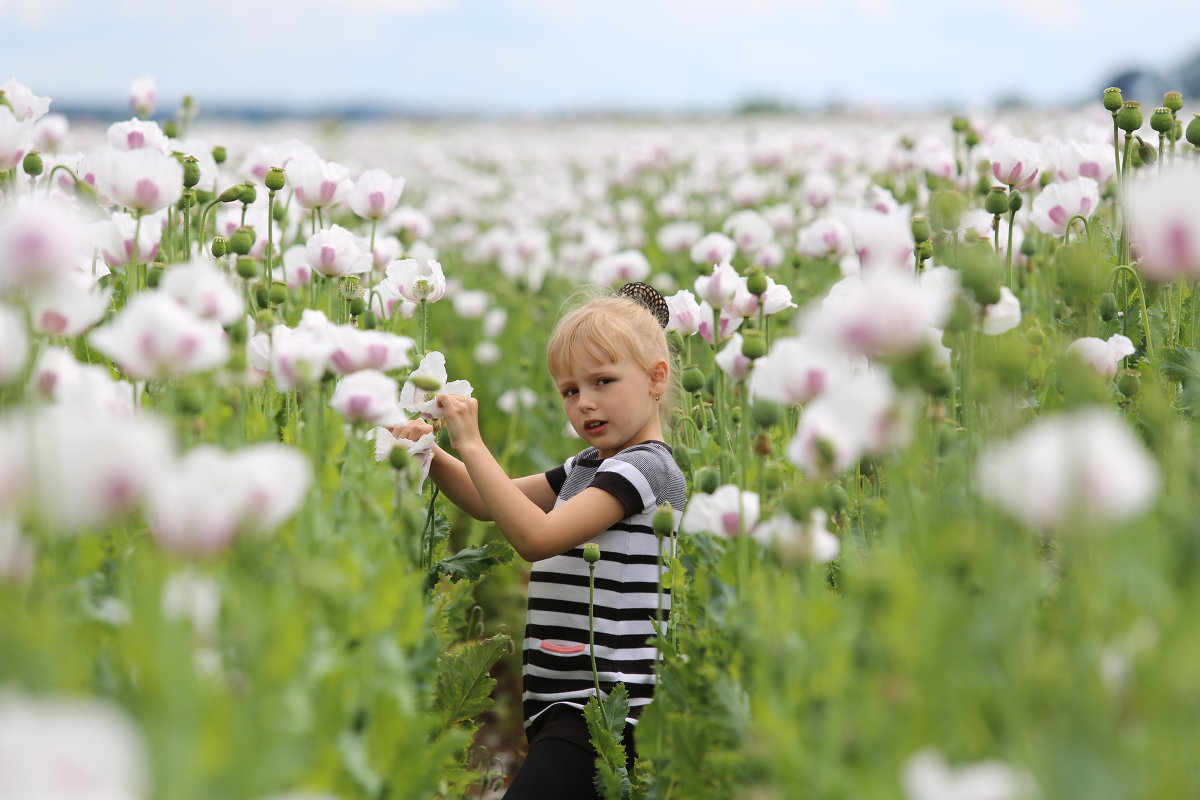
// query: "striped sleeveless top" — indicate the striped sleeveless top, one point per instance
point(556, 663)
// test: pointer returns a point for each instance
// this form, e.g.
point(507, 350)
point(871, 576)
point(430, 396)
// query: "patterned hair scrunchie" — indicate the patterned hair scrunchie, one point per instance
point(648, 297)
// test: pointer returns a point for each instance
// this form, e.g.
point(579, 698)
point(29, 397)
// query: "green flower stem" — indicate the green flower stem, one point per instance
point(427, 534)
point(1012, 217)
point(592, 629)
point(1123, 174)
point(1162, 152)
point(204, 221)
point(1126, 270)
point(1117, 148)
point(187, 224)
point(1086, 230)
point(270, 238)
point(423, 311)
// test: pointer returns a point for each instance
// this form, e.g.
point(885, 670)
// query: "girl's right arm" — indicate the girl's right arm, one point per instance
point(452, 477)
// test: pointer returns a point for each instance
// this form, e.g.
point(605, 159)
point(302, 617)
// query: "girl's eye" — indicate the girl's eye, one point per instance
point(569, 392)
point(603, 381)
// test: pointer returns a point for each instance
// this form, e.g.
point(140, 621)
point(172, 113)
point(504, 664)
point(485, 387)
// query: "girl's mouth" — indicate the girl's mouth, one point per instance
point(595, 426)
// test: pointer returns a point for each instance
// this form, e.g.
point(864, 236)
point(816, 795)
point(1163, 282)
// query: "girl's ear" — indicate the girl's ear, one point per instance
point(659, 375)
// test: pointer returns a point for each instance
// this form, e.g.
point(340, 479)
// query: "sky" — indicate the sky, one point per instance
point(556, 56)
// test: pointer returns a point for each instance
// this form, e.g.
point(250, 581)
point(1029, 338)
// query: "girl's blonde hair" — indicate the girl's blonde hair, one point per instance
point(602, 328)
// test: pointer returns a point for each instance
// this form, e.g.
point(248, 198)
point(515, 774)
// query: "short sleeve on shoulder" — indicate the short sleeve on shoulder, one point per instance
point(625, 477)
point(557, 477)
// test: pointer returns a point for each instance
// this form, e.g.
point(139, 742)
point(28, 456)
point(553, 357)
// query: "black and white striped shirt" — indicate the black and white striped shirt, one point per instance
point(556, 665)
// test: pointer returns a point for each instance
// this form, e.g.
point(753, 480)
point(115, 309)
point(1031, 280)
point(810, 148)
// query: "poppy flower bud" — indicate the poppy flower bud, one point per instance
point(1192, 133)
point(1015, 201)
point(277, 293)
point(754, 345)
point(692, 379)
point(1147, 152)
point(707, 480)
point(231, 194)
point(369, 321)
point(1129, 118)
point(836, 498)
point(241, 241)
point(191, 172)
point(219, 155)
point(153, 276)
point(275, 179)
point(220, 246)
point(945, 210)
point(922, 231)
point(260, 295)
point(32, 164)
point(249, 193)
point(1108, 306)
point(765, 414)
point(278, 212)
point(972, 138)
point(591, 552)
point(1173, 101)
point(1113, 99)
point(664, 520)
point(1162, 120)
point(756, 282)
point(801, 501)
point(960, 124)
point(996, 202)
point(1035, 335)
point(399, 458)
point(247, 267)
point(1028, 245)
point(924, 250)
point(357, 306)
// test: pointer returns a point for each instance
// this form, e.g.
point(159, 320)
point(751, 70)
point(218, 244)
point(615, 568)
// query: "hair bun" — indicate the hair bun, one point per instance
point(648, 297)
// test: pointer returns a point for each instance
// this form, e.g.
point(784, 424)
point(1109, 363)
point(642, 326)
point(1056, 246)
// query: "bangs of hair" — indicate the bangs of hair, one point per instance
point(586, 336)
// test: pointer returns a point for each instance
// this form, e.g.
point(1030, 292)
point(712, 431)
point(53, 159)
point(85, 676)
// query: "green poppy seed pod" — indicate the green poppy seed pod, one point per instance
point(170, 129)
point(754, 345)
point(32, 164)
point(756, 282)
point(426, 383)
point(1108, 306)
point(154, 276)
point(972, 138)
point(1162, 120)
point(1113, 99)
point(1035, 335)
point(191, 172)
point(275, 179)
point(664, 520)
point(692, 379)
point(261, 296)
point(1192, 133)
point(357, 306)
point(922, 231)
point(220, 246)
point(801, 501)
point(277, 293)
point(1177, 133)
point(278, 212)
point(238, 331)
point(674, 341)
point(232, 194)
point(945, 210)
point(249, 193)
point(1129, 118)
point(189, 400)
point(766, 414)
point(591, 552)
point(1028, 245)
point(188, 103)
point(996, 202)
point(399, 458)
point(241, 241)
point(1173, 101)
point(960, 124)
point(1015, 201)
point(1129, 383)
point(369, 321)
point(924, 250)
point(247, 267)
point(707, 480)
point(1045, 178)
point(219, 155)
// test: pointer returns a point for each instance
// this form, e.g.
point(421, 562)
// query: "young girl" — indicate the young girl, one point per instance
point(612, 366)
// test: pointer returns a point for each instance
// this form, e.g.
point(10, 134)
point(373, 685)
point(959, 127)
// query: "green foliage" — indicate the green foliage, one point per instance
point(1182, 365)
point(606, 725)
point(464, 686)
point(471, 563)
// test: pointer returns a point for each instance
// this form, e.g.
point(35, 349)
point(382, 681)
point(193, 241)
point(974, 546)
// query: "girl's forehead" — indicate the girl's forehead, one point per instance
point(586, 365)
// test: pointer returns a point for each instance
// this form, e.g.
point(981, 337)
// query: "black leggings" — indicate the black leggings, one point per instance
point(555, 769)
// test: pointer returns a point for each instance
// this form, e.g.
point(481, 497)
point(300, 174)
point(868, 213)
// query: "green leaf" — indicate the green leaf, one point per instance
point(1183, 364)
point(471, 563)
point(606, 724)
point(464, 686)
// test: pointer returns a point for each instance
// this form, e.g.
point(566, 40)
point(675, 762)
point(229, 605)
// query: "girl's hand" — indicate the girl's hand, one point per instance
point(412, 430)
point(461, 414)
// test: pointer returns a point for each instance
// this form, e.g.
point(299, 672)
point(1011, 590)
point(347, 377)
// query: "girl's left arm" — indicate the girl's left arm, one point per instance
point(533, 533)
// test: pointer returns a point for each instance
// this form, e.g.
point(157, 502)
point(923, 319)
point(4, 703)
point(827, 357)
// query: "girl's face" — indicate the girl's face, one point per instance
point(611, 405)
